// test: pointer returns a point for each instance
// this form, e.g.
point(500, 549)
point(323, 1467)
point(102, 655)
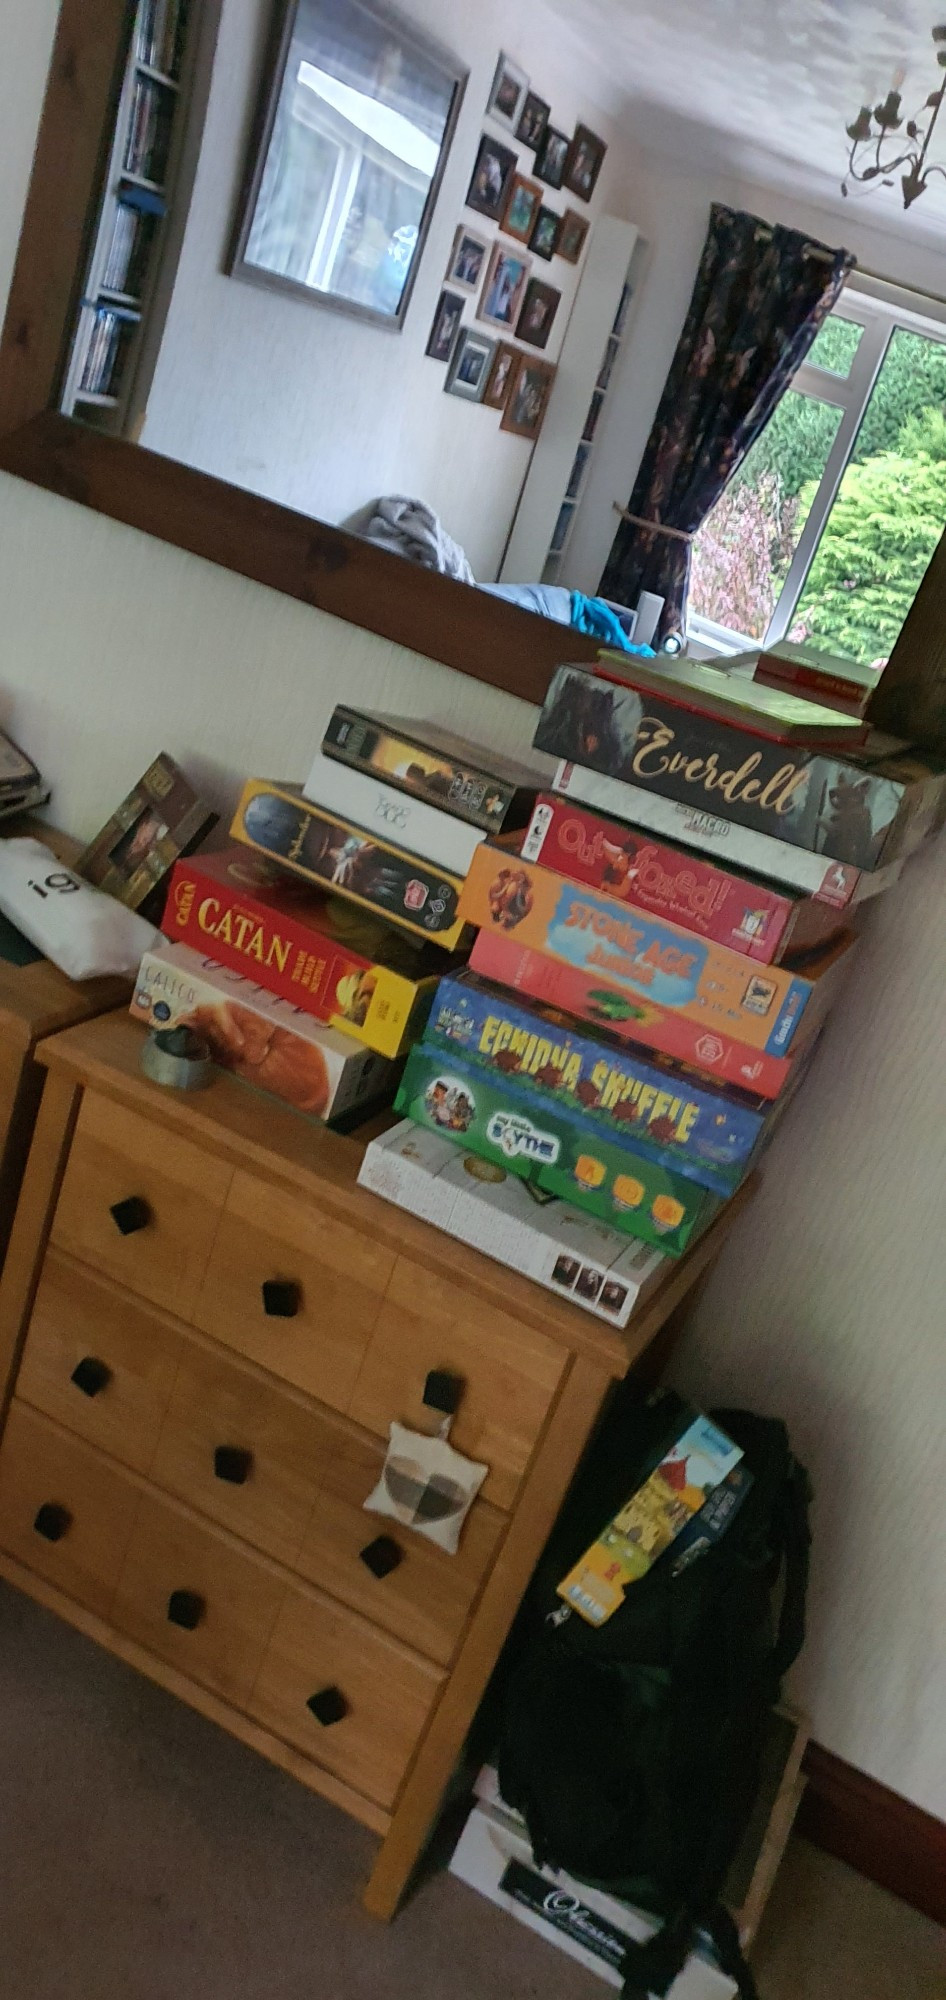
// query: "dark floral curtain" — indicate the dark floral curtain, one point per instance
point(760, 296)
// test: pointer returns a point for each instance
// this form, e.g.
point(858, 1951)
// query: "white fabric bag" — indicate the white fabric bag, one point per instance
point(79, 929)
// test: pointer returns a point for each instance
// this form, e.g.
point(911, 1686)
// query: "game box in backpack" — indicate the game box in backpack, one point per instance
point(633, 1749)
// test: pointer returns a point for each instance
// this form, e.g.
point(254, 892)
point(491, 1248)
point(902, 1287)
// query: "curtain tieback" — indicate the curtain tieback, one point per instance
point(655, 527)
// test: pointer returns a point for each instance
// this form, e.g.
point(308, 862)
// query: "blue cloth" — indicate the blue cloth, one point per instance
point(596, 619)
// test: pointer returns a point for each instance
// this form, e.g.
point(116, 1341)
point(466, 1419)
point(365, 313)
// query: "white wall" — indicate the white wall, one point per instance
point(829, 1305)
point(316, 408)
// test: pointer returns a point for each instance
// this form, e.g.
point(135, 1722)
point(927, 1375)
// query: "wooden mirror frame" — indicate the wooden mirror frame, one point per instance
point(326, 567)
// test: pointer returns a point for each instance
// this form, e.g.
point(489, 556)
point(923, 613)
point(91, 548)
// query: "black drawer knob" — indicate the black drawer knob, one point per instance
point(232, 1464)
point(91, 1376)
point(131, 1215)
point(443, 1392)
point(281, 1300)
point(52, 1522)
point(328, 1706)
point(382, 1556)
point(185, 1608)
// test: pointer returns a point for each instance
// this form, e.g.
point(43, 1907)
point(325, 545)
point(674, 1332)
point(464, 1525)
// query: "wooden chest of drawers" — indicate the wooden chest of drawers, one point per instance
point(206, 1329)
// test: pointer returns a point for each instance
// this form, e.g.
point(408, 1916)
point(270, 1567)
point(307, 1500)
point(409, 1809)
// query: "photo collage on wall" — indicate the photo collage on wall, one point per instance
point(498, 272)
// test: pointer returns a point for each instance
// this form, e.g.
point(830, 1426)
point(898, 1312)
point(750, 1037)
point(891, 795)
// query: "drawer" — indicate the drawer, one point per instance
point(372, 1696)
point(98, 1364)
point(508, 1372)
point(425, 1597)
point(186, 1595)
point(64, 1511)
point(140, 1204)
point(313, 1328)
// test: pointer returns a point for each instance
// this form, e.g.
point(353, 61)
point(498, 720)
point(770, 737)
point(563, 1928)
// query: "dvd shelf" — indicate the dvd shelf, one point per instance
point(130, 242)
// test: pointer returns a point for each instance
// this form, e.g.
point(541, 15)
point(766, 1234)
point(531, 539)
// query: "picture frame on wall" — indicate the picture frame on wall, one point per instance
point(571, 236)
point(539, 307)
point(509, 91)
point(470, 366)
point(533, 120)
point(444, 327)
point(504, 287)
point(467, 260)
point(528, 396)
point(583, 165)
point(493, 170)
point(523, 203)
point(551, 157)
point(545, 235)
point(500, 375)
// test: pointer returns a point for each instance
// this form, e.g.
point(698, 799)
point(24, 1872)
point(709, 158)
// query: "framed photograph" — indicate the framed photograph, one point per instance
point(528, 397)
point(500, 375)
point(469, 370)
point(504, 288)
point(523, 203)
point(467, 260)
point(583, 165)
point(544, 238)
point(571, 241)
point(493, 170)
point(445, 326)
point(349, 236)
point(551, 157)
point(509, 93)
point(534, 118)
point(539, 308)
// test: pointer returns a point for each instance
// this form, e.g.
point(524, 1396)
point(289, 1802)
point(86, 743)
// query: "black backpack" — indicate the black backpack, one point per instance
point(633, 1750)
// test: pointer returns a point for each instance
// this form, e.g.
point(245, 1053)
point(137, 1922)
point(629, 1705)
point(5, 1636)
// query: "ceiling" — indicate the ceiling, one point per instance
point(767, 85)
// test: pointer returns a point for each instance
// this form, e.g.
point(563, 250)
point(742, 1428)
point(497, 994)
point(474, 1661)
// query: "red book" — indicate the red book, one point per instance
point(749, 916)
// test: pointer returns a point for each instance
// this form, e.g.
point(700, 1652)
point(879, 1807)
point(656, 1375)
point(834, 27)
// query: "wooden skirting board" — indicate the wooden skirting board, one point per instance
point(882, 1835)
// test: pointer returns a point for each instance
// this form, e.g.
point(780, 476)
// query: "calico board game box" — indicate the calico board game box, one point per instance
point(860, 808)
point(327, 850)
point(480, 1203)
point(473, 783)
point(260, 1037)
point(648, 958)
point(554, 1146)
point(331, 959)
point(746, 915)
point(674, 1117)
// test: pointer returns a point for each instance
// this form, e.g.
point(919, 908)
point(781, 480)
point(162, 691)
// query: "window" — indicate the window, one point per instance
point(824, 533)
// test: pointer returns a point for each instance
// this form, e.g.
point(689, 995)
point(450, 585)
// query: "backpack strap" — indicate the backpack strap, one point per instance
point(795, 1534)
point(725, 1936)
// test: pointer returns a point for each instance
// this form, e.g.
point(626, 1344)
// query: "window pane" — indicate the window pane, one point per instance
point(743, 551)
point(889, 513)
point(835, 346)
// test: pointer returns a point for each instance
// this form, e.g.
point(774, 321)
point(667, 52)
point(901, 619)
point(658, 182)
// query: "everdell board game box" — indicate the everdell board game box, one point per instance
point(553, 1145)
point(261, 1038)
point(746, 915)
point(480, 1203)
point(649, 958)
point(672, 1116)
point(327, 850)
point(731, 845)
point(861, 808)
point(335, 961)
point(473, 783)
point(640, 1022)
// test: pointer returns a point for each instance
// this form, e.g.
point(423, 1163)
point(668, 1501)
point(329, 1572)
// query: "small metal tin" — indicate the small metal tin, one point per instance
point(178, 1058)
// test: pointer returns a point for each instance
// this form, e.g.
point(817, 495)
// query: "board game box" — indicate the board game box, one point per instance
point(328, 850)
point(159, 821)
point(648, 958)
point(861, 808)
point(480, 1203)
point(554, 1146)
point(730, 845)
point(673, 1116)
point(709, 690)
point(719, 1056)
point(475, 784)
point(746, 915)
point(260, 1037)
point(339, 963)
point(396, 816)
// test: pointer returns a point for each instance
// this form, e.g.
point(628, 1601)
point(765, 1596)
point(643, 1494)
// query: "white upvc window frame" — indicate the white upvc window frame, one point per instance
point(880, 308)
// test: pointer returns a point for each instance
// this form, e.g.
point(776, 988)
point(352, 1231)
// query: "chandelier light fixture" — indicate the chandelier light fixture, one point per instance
point(878, 151)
